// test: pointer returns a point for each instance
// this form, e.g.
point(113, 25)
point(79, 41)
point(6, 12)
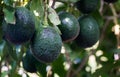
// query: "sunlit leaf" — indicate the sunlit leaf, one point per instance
point(9, 15)
point(53, 16)
point(39, 10)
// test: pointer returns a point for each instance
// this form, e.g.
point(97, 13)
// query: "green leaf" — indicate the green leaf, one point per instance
point(36, 6)
point(41, 68)
point(58, 66)
point(9, 15)
point(8, 2)
point(68, 1)
point(4, 74)
point(98, 18)
point(2, 45)
point(16, 75)
point(53, 16)
point(11, 51)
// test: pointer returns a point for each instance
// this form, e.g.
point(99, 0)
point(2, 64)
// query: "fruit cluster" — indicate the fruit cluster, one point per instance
point(46, 42)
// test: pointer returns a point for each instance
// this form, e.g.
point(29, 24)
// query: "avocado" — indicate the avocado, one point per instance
point(69, 26)
point(46, 44)
point(23, 29)
point(110, 1)
point(29, 62)
point(86, 6)
point(89, 31)
point(32, 65)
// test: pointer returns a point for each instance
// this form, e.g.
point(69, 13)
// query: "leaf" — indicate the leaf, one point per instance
point(11, 51)
point(2, 45)
point(8, 2)
point(98, 18)
point(36, 6)
point(58, 66)
point(9, 15)
point(41, 68)
point(68, 1)
point(53, 16)
point(54, 19)
point(16, 75)
point(4, 74)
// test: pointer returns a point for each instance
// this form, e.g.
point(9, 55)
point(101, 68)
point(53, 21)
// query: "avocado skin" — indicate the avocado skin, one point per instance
point(110, 1)
point(86, 6)
point(46, 44)
point(89, 32)
point(69, 26)
point(23, 29)
point(29, 62)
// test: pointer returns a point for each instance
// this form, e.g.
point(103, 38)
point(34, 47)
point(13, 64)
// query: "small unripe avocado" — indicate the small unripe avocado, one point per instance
point(23, 29)
point(110, 1)
point(29, 62)
point(46, 44)
point(86, 6)
point(89, 31)
point(69, 26)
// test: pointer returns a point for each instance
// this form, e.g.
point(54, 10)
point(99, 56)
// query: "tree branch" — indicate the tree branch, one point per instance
point(83, 62)
point(53, 3)
point(116, 26)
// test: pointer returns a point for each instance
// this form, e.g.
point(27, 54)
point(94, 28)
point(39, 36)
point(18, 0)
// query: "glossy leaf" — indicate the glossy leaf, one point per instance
point(9, 15)
point(53, 16)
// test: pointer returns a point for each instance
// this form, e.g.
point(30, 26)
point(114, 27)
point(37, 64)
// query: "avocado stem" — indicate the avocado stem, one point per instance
point(46, 13)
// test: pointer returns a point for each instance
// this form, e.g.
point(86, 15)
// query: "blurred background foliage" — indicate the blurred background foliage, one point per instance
point(101, 60)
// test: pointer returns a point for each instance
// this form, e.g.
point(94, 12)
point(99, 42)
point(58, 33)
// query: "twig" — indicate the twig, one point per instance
point(116, 27)
point(111, 17)
point(101, 6)
point(114, 13)
point(103, 31)
point(70, 63)
point(46, 13)
point(0, 67)
point(83, 62)
point(53, 4)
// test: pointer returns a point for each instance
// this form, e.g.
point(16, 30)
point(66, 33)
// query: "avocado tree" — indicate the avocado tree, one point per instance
point(59, 38)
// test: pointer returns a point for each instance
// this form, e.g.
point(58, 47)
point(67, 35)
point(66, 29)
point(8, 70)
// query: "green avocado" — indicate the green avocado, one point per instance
point(23, 29)
point(86, 6)
point(46, 44)
point(69, 26)
point(32, 65)
point(110, 1)
point(89, 31)
point(29, 62)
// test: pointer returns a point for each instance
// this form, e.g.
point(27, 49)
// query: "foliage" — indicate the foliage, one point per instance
point(100, 60)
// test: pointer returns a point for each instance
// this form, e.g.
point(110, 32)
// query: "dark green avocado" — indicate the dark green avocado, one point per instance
point(46, 44)
point(69, 26)
point(32, 65)
point(23, 29)
point(110, 1)
point(29, 62)
point(86, 6)
point(89, 32)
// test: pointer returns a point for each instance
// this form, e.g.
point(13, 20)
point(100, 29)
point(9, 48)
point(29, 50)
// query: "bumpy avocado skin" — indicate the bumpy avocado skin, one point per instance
point(46, 44)
point(69, 26)
point(23, 29)
point(29, 62)
point(110, 1)
point(89, 31)
point(87, 6)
